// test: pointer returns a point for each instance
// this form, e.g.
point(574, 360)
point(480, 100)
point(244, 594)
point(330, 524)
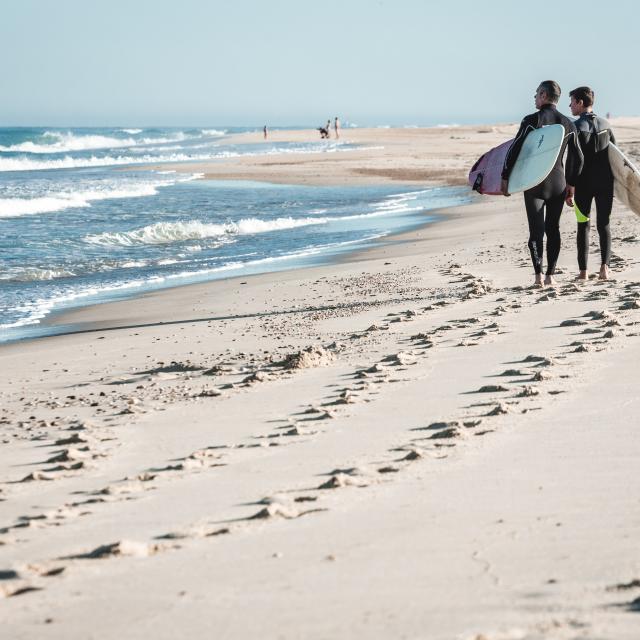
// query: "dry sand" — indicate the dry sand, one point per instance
point(412, 443)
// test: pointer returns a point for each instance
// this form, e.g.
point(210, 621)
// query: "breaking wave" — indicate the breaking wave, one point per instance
point(168, 232)
point(52, 202)
point(65, 142)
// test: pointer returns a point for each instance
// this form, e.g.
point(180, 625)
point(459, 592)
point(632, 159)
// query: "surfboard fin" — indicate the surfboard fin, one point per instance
point(478, 182)
point(580, 217)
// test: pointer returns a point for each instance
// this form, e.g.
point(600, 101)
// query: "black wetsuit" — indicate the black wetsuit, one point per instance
point(545, 201)
point(595, 181)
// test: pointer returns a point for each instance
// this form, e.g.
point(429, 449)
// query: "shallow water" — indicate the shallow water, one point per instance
point(89, 232)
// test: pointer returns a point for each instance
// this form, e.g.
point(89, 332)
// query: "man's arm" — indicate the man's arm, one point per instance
point(575, 158)
point(514, 150)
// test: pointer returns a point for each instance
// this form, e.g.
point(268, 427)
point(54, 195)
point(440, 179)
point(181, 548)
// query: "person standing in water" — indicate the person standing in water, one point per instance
point(545, 201)
point(336, 126)
point(265, 131)
point(595, 181)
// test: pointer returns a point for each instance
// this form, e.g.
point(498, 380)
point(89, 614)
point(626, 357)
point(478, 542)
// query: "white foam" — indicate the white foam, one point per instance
point(168, 232)
point(131, 132)
point(69, 142)
point(68, 162)
point(15, 207)
point(213, 132)
point(31, 274)
point(59, 201)
point(38, 309)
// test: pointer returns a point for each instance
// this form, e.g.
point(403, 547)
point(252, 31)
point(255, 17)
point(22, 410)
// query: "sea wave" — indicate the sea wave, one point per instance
point(32, 274)
point(168, 232)
point(68, 162)
point(59, 201)
point(65, 142)
point(23, 163)
point(14, 207)
point(35, 310)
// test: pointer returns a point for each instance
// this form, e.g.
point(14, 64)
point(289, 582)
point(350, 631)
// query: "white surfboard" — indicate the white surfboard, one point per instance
point(536, 158)
point(627, 179)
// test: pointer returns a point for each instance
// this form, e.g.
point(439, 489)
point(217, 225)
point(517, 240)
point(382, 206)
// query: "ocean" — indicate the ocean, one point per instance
point(81, 222)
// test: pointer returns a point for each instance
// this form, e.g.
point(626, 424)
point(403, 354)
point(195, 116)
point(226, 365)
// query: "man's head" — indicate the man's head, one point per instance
point(548, 92)
point(582, 100)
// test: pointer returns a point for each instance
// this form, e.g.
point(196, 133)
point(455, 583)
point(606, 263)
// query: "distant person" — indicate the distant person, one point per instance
point(324, 131)
point(545, 201)
point(264, 131)
point(328, 128)
point(609, 116)
point(595, 181)
point(336, 127)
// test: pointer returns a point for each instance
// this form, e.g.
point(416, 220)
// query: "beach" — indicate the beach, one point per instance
point(407, 440)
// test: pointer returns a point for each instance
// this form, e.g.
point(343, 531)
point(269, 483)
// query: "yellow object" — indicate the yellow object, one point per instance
point(580, 217)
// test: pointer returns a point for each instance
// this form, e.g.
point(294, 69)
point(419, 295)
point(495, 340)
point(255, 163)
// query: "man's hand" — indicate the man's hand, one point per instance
point(504, 187)
point(569, 194)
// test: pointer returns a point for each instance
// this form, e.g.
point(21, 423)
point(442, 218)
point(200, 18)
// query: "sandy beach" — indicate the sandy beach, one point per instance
point(411, 442)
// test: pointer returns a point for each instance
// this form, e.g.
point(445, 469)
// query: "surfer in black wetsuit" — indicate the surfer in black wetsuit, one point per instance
point(595, 181)
point(545, 201)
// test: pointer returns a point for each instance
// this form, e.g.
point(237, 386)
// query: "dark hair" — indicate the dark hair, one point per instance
point(552, 89)
point(584, 94)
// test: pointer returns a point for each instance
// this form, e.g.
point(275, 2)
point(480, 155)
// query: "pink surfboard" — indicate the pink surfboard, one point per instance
point(486, 174)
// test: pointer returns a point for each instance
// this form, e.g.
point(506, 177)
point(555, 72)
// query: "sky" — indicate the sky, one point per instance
point(297, 62)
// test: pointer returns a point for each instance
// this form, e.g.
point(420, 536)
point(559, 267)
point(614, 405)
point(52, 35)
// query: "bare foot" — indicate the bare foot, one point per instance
point(604, 272)
point(584, 275)
point(550, 281)
point(538, 282)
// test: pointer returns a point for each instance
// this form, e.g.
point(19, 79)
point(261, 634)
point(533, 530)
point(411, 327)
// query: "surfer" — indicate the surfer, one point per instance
point(595, 181)
point(544, 202)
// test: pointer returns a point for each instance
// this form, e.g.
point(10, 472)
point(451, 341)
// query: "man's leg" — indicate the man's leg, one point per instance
point(604, 202)
point(583, 199)
point(552, 230)
point(535, 218)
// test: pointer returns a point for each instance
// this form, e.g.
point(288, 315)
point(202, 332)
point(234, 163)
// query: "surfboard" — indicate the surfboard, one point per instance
point(537, 157)
point(486, 174)
point(626, 179)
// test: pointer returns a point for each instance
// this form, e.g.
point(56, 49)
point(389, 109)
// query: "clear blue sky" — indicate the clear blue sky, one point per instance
point(198, 62)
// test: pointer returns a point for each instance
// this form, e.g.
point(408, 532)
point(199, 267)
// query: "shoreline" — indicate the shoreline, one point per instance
point(56, 322)
point(73, 318)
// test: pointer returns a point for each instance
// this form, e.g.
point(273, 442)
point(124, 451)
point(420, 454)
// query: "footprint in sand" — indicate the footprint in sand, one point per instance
point(533, 358)
point(514, 372)
point(197, 531)
point(499, 410)
point(572, 323)
point(528, 392)
point(277, 510)
point(422, 339)
point(18, 589)
point(349, 477)
point(491, 388)
point(118, 549)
